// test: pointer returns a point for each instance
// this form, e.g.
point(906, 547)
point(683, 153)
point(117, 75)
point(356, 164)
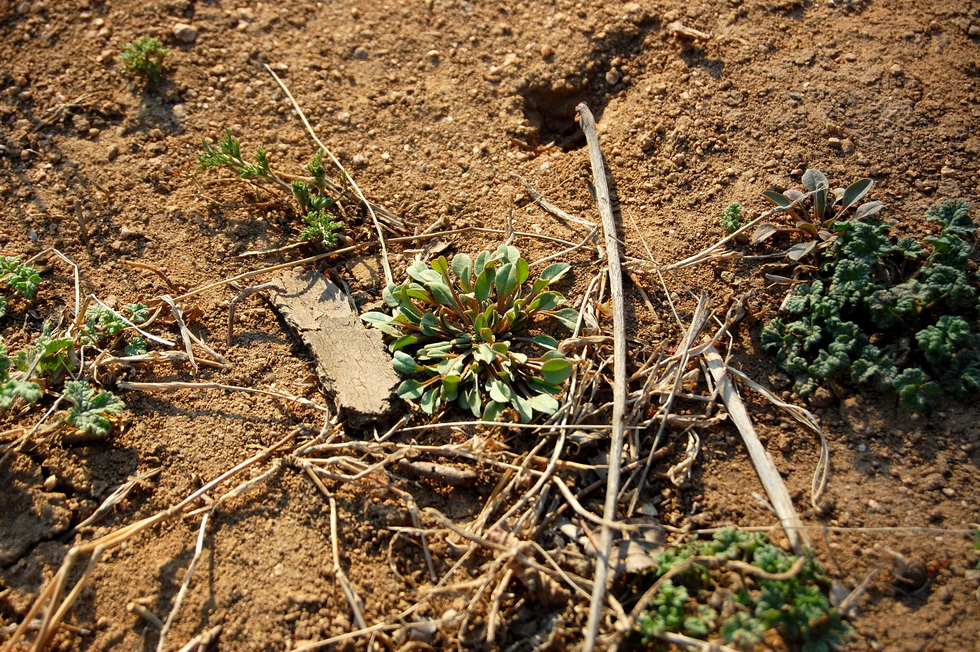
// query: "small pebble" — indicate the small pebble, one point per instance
point(360, 53)
point(185, 33)
point(613, 77)
point(547, 51)
point(112, 152)
point(822, 398)
point(50, 483)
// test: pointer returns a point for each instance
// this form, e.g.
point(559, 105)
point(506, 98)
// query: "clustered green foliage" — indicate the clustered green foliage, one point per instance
point(18, 277)
point(888, 313)
point(731, 217)
point(144, 58)
point(102, 325)
point(797, 609)
point(49, 356)
point(89, 408)
point(310, 194)
point(460, 321)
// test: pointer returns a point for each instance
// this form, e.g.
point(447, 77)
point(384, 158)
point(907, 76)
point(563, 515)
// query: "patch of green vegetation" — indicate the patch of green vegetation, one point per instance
point(731, 218)
point(311, 194)
point(460, 321)
point(143, 58)
point(771, 591)
point(888, 313)
point(103, 324)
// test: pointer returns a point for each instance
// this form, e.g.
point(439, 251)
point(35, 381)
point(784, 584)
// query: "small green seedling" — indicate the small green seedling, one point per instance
point(11, 388)
point(228, 153)
point(816, 211)
point(731, 218)
point(315, 204)
point(19, 277)
point(460, 322)
point(143, 58)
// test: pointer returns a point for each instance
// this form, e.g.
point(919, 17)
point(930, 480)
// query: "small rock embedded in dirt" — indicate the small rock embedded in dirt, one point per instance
point(185, 33)
point(822, 398)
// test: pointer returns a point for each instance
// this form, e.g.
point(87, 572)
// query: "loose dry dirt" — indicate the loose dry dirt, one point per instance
point(435, 106)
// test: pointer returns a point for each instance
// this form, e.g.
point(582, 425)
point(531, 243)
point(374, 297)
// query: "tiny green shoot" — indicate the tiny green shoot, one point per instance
point(143, 58)
point(731, 218)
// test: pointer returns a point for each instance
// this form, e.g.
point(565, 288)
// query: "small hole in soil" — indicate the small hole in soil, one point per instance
point(552, 115)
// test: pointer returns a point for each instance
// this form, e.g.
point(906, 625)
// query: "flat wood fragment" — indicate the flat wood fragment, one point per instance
point(351, 361)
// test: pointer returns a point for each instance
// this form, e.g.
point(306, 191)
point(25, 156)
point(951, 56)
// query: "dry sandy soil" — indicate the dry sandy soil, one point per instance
point(435, 106)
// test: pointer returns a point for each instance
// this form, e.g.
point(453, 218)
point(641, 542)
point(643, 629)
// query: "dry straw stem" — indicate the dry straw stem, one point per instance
point(764, 466)
point(174, 386)
point(198, 549)
point(389, 279)
point(619, 372)
point(50, 599)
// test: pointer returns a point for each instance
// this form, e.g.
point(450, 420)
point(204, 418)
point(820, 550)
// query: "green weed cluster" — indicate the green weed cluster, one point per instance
point(456, 331)
point(888, 313)
point(144, 58)
point(102, 325)
point(316, 206)
point(747, 605)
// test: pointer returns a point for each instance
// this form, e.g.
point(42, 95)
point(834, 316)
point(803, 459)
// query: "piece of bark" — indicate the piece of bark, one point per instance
point(350, 358)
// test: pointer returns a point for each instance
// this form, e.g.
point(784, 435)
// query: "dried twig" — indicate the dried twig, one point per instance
point(764, 466)
point(198, 549)
point(241, 295)
point(174, 386)
point(619, 373)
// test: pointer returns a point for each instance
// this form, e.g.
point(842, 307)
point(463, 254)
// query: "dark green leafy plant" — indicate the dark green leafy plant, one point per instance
point(103, 324)
point(816, 211)
point(144, 58)
point(797, 609)
point(321, 226)
point(455, 329)
point(731, 217)
point(888, 313)
point(50, 355)
point(11, 388)
point(89, 408)
point(18, 277)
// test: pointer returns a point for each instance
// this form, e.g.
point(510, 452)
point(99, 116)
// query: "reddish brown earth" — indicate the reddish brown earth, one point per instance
point(435, 106)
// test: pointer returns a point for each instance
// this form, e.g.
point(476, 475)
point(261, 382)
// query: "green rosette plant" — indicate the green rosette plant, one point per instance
point(455, 332)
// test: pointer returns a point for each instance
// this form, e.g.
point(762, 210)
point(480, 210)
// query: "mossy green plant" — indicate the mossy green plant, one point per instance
point(888, 312)
point(774, 592)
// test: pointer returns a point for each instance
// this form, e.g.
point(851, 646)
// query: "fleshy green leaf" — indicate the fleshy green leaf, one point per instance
point(556, 371)
point(411, 389)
